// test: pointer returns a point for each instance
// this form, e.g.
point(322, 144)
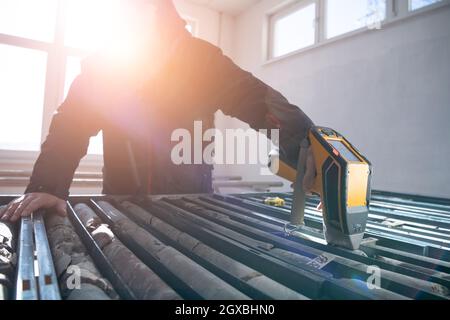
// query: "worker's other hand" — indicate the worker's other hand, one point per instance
point(28, 203)
point(310, 175)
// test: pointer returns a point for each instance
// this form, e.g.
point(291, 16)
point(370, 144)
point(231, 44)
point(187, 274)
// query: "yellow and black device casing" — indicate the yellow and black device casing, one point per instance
point(343, 179)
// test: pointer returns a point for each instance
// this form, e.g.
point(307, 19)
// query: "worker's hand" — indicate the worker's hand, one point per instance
point(28, 203)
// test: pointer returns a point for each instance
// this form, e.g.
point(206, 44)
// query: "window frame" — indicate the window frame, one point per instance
point(396, 10)
point(57, 53)
point(285, 11)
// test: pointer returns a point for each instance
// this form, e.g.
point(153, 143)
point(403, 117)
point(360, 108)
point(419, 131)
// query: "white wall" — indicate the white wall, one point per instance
point(388, 91)
point(212, 26)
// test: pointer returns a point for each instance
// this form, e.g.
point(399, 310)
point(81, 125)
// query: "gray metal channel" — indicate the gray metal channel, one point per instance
point(236, 247)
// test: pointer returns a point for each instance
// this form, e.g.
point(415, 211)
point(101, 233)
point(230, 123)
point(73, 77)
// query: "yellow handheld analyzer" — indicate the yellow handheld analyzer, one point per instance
point(343, 178)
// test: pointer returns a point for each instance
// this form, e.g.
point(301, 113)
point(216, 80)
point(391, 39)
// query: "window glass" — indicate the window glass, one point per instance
point(22, 87)
point(344, 16)
point(33, 19)
point(418, 4)
point(293, 31)
point(88, 22)
point(73, 69)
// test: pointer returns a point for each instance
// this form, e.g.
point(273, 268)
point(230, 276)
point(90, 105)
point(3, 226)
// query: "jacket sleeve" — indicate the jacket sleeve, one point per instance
point(240, 94)
point(71, 128)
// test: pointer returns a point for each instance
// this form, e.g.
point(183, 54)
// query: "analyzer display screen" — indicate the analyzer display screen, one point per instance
point(343, 150)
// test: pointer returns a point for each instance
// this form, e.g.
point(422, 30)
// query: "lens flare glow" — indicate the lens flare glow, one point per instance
point(110, 26)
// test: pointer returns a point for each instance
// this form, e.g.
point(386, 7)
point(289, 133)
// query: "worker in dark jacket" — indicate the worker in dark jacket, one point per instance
point(172, 80)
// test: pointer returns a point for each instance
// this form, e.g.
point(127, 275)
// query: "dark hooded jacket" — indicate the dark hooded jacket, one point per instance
point(196, 81)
